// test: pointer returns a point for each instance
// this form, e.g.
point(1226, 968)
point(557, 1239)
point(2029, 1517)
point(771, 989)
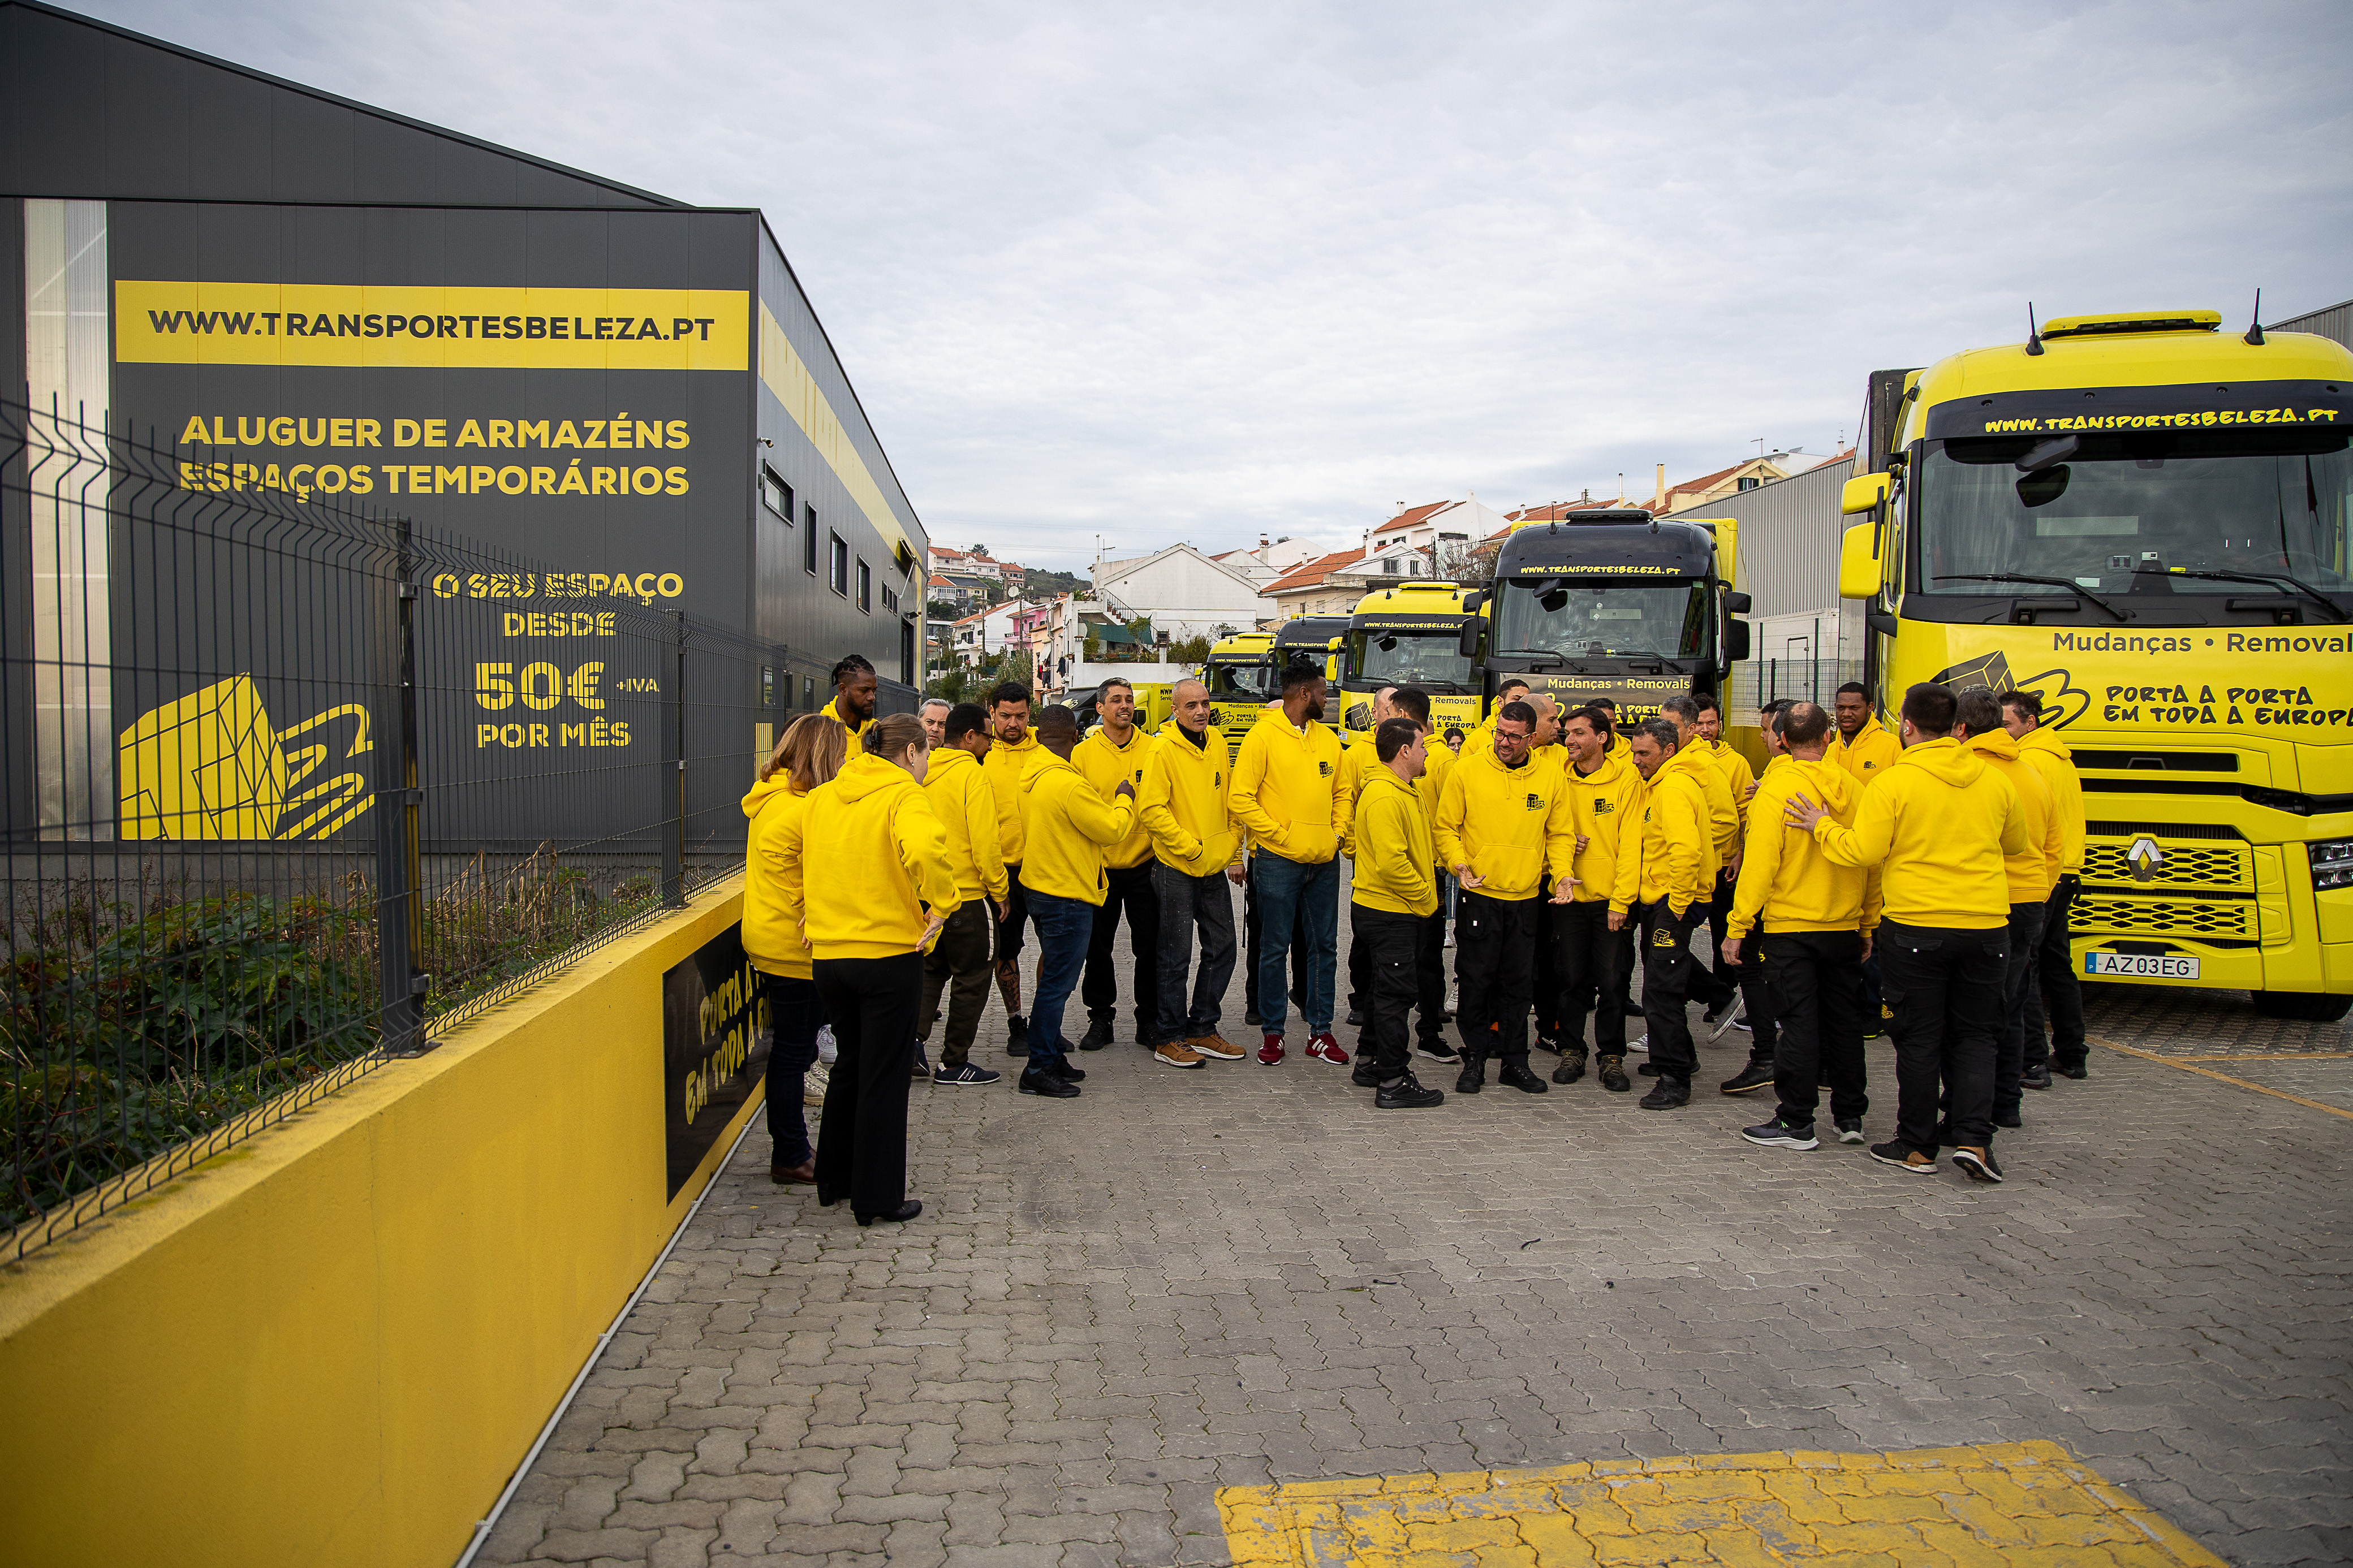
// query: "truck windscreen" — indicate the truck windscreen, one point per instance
point(1431, 659)
point(1612, 619)
point(2132, 514)
point(1240, 681)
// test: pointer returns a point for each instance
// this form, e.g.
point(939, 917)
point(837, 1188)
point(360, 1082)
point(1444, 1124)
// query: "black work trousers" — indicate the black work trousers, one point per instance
point(1589, 960)
point(1944, 985)
point(1428, 975)
point(959, 964)
point(1392, 943)
point(861, 1137)
point(1718, 980)
point(1495, 967)
point(1816, 978)
point(1127, 890)
point(1670, 971)
point(2061, 989)
point(2018, 979)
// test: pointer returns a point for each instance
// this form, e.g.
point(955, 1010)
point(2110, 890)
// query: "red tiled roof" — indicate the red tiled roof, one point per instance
point(1315, 571)
point(1412, 515)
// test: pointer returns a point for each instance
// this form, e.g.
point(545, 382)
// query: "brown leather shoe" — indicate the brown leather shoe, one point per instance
point(801, 1174)
point(1215, 1048)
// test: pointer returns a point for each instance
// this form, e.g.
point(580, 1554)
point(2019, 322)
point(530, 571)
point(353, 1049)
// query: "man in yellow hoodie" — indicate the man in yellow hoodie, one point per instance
point(1067, 827)
point(1592, 937)
point(1113, 752)
point(1937, 823)
point(959, 962)
point(1718, 984)
point(1012, 748)
point(1503, 823)
point(1412, 703)
point(2032, 877)
point(2063, 1051)
point(1287, 796)
point(1864, 750)
point(1359, 757)
point(1395, 892)
point(1818, 919)
point(1197, 851)
point(1678, 868)
point(852, 703)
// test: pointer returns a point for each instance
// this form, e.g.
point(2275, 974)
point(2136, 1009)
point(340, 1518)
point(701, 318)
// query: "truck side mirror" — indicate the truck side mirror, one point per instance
point(1859, 573)
point(1468, 648)
point(1737, 604)
point(1736, 641)
point(1863, 494)
point(1472, 601)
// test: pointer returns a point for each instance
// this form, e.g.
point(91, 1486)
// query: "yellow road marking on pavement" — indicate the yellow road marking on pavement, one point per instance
point(2280, 1057)
point(1991, 1504)
point(2186, 1066)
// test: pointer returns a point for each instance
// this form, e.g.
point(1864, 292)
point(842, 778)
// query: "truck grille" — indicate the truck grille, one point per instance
point(2099, 915)
point(2206, 867)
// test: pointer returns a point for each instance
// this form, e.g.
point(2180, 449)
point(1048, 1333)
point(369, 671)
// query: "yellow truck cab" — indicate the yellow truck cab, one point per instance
point(1239, 674)
point(1411, 635)
point(2141, 518)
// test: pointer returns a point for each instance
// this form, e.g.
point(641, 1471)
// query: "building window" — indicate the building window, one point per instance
point(1389, 565)
point(865, 586)
point(776, 495)
point(890, 601)
point(808, 540)
point(1749, 481)
point(836, 571)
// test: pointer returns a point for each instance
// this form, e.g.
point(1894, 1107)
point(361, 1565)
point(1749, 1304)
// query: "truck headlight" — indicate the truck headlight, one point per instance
point(2332, 863)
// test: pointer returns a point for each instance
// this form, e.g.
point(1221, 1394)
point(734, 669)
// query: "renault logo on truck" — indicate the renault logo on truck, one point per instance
point(2147, 859)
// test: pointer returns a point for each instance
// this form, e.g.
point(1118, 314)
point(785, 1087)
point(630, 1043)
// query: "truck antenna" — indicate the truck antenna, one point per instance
point(2033, 337)
point(2255, 332)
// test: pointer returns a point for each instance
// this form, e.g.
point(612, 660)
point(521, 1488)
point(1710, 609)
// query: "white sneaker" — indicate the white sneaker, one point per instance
point(826, 1049)
point(813, 1084)
point(1643, 1045)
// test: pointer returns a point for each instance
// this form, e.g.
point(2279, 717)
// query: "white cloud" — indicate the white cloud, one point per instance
point(1206, 271)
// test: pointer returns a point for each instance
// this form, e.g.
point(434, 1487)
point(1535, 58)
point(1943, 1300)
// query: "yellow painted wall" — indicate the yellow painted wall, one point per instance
point(333, 1343)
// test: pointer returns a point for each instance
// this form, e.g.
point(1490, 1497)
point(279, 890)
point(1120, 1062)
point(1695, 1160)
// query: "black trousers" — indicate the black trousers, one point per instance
point(2018, 979)
point(2061, 989)
point(1187, 904)
point(1816, 978)
point(1547, 981)
point(1756, 997)
point(1428, 969)
point(1590, 961)
point(959, 964)
point(1129, 891)
point(861, 1136)
point(1943, 986)
point(1016, 904)
point(1720, 982)
point(1494, 964)
point(1670, 971)
point(1392, 943)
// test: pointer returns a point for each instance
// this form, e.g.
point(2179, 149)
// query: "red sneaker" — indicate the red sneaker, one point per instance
point(1269, 1050)
point(1328, 1050)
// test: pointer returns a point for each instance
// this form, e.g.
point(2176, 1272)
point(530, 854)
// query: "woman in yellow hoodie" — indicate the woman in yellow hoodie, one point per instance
point(866, 877)
point(809, 755)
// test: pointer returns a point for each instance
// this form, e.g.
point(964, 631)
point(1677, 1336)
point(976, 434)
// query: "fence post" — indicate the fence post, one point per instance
point(401, 984)
point(673, 838)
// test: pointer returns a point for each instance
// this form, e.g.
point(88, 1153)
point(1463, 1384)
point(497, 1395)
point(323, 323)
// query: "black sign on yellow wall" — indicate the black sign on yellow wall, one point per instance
point(712, 1053)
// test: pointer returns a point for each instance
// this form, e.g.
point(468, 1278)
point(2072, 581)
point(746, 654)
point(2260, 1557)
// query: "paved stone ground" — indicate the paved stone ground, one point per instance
point(1243, 1276)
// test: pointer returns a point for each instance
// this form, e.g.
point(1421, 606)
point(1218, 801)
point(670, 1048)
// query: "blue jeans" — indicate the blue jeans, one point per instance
point(794, 1015)
point(1065, 926)
point(1305, 899)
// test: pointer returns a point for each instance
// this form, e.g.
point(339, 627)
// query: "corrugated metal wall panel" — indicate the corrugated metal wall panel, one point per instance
point(1789, 532)
point(2336, 322)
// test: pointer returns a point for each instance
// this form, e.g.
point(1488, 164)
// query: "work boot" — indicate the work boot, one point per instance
point(1407, 1095)
point(1097, 1036)
point(1016, 1036)
point(1517, 1075)
point(2036, 1076)
point(1749, 1080)
point(1473, 1076)
point(1670, 1093)
point(1613, 1075)
point(1572, 1064)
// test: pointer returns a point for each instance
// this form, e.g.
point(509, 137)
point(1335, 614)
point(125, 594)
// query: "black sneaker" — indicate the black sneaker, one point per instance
point(1904, 1157)
point(1097, 1036)
point(1016, 1036)
point(1648, 1069)
point(1437, 1051)
point(2037, 1076)
point(1407, 1095)
point(1778, 1134)
point(1670, 1093)
point(1741, 1023)
point(1718, 1019)
point(1042, 1082)
point(1632, 1008)
point(2076, 1070)
point(1063, 1070)
point(1355, 1017)
point(965, 1073)
point(1850, 1131)
point(1520, 1079)
point(1472, 1078)
point(921, 1065)
point(1749, 1080)
point(1364, 1075)
point(1549, 1043)
point(2006, 1119)
point(1976, 1166)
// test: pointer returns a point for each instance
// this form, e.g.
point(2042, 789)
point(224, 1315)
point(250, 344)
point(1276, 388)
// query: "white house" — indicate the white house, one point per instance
point(1427, 541)
point(1186, 593)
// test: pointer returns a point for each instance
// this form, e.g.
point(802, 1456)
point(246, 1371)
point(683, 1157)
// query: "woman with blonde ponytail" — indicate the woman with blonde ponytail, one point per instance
point(809, 755)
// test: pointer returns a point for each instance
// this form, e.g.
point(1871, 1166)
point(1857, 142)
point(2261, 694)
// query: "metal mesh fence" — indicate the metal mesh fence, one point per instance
point(1757, 681)
point(290, 784)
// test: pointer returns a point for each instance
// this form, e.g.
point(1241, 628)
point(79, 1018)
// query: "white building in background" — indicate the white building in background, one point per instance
point(1430, 540)
point(1186, 593)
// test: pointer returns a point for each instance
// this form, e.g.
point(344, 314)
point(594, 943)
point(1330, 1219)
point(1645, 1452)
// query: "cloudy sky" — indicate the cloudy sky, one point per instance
point(1198, 273)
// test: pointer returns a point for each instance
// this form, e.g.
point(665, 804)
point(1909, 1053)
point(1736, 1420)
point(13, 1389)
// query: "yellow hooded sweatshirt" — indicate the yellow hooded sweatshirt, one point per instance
point(1605, 805)
point(831, 711)
point(1679, 862)
point(1287, 789)
point(1184, 804)
point(1738, 776)
point(1870, 754)
point(879, 854)
point(966, 804)
point(1508, 826)
point(1069, 827)
point(772, 938)
point(1107, 766)
point(2034, 874)
point(1785, 877)
point(1004, 765)
point(2055, 761)
point(1396, 863)
point(1723, 811)
point(1938, 824)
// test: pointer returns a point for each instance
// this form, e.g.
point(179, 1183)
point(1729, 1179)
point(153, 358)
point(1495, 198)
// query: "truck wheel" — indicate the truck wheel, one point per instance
point(2316, 1006)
